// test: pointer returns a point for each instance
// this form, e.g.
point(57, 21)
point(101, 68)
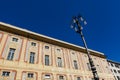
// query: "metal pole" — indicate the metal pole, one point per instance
point(93, 68)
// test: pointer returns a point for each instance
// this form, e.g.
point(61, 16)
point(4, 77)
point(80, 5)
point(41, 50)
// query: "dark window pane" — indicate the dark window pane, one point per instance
point(46, 47)
point(30, 75)
point(11, 54)
point(75, 64)
point(32, 57)
point(78, 78)
point(47, 60)
point(47, 76)
point(89, 68)
point(15, 39)
point(33, 44)
point(5, 73)
point(61, 77)
point(59, 61)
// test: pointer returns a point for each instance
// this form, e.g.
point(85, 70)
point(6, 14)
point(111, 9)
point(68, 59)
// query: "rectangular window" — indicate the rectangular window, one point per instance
point(46, 47)
point(61, 77)
point(32, 58)
point(111, 64)
point(78, 78)
point(15, 39)
point(98, 67)
point(117, 66)
point(59, 61)
point(75, 64)
point(119, 71)
point(11, 54)
point(118, 77)
point(33, 44)
point(47, 60)
point(88, 65)
point(30, 75)
point(5, 73)
point(115, 71)
point(47, 76)
point(58, 50)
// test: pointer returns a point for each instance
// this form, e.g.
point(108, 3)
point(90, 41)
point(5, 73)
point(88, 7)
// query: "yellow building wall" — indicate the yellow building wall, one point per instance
point(20, 64)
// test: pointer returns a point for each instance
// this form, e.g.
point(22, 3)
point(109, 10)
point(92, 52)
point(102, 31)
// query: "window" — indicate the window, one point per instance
point(5, 73)
point(47, 60)
point(33, 44)
point(75, 64)
point(98, 67)
point(30, 75)
point(58, 50)
point(59, 61)
point(92, 79)
point(61, 77)
point(88, 65)
point(118, 77)
point(32, 57)
point(119, 71)
point(15, 39)
point(11, 54)
point(46, 47)
point(78, 78)
point(111, 64)
point(47, 76)
point(115, 71)
point(73, 53)
point(116, 65)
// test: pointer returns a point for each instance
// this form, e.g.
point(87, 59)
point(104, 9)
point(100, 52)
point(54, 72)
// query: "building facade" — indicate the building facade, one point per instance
point(115, 68)
point(25, 55)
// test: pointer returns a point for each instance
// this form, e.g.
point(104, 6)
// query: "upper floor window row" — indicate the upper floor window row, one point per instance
point(33, 44)
point(30, 75)
point(47, 76)
point(11, 54)
point(46, 47)
point(116, 65)
point(58, 50)
point(15, 39)
point(32, 57)
point(5, 73)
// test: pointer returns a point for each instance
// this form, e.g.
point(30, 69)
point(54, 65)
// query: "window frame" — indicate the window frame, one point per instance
point(78, 78)
point(33, 44)
point(11, 54)
point(59, 62)
point(75, 64)
point(46, 76)
point(32, 58)
point(5, 73)
point(15, 39)
point(30, 75)
point(47, 60)
point(46, 47)
point(61, 77)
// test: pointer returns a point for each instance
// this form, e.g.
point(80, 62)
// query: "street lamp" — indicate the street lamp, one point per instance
point(76, 25)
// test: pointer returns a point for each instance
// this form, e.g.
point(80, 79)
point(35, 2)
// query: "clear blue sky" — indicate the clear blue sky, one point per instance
point(53, 17)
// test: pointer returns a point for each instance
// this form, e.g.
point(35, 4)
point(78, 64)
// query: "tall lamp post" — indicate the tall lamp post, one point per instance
point(76, 25)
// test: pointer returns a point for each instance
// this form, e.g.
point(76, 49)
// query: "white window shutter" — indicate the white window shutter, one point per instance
point(6, 48)
point(27, 49)
point(13, 76)
point(18, 50)
point(26, 56)
point(24, 76)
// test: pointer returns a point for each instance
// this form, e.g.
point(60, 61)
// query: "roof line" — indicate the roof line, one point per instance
point(34, 33)
point(113, 61)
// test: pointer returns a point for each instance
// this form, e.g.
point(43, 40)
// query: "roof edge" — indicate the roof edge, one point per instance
point(30, 34)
